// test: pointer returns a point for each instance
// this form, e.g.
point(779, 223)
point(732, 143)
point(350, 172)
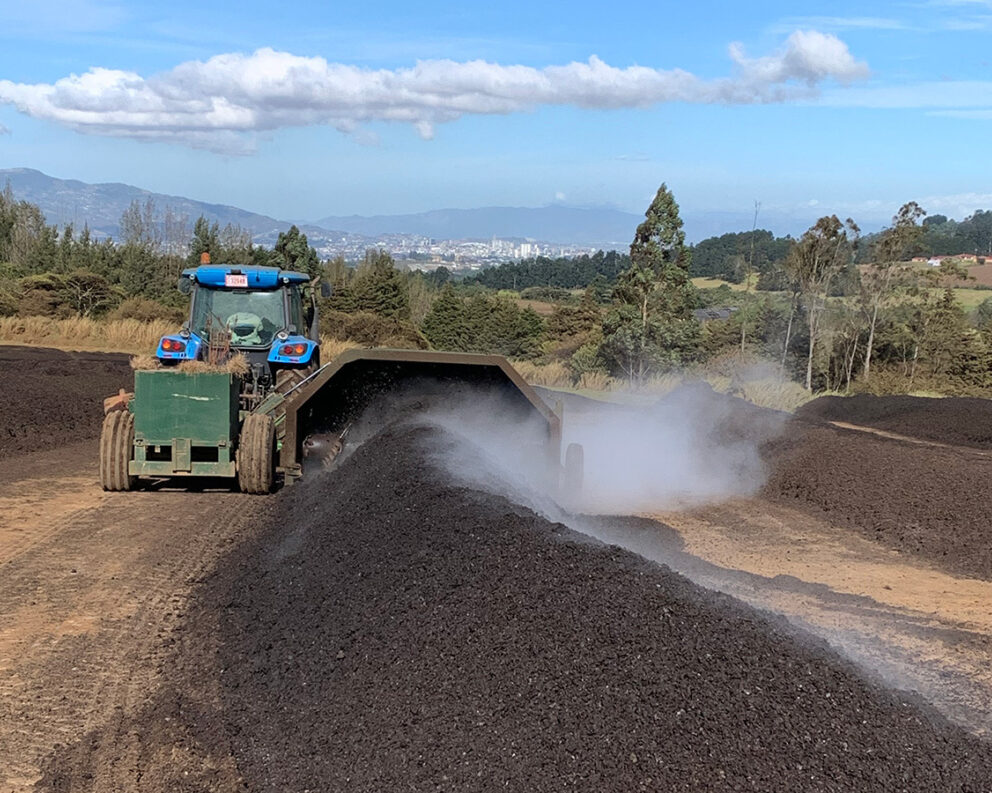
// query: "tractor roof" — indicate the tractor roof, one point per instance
point(258, 277)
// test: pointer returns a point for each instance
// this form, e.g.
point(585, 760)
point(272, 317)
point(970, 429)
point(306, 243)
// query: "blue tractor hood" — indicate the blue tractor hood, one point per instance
point(216, 276)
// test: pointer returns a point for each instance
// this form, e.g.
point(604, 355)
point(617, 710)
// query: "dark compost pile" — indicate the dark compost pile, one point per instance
point(388, 631)
point(928, 501)
point(959, 421)
point(54, 398)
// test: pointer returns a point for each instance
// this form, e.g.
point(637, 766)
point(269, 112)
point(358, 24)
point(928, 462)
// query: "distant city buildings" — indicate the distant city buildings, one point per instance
point(426, 253)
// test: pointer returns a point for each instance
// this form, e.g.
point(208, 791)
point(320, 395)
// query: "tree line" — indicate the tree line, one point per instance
point(51, 271)
point(941, 235)
point(818, 316)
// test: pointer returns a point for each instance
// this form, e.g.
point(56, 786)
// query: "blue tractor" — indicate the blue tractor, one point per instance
point(265, 314)
point(257, 421)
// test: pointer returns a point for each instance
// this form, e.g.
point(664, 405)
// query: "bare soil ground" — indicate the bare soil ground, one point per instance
point(92, 584)
point(979, 274)
point(380, 629)
point(914, 626)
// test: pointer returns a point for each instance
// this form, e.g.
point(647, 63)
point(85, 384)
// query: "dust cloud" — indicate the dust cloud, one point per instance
point(690, 448)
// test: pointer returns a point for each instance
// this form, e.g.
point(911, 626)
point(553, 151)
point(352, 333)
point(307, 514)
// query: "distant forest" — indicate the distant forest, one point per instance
point(945, 237)
point(730, 256)
point(565, 273)
point(725, 257)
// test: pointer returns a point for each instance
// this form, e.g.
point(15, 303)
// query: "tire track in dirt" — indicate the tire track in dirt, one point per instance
point(895, 436)
point(88, 609)
point(39, 492)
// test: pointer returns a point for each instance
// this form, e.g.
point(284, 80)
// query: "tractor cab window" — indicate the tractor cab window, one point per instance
point(296, 311)
point(253, 318)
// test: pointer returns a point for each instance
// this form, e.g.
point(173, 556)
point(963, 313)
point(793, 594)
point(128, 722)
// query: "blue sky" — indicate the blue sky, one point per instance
point(320, 108)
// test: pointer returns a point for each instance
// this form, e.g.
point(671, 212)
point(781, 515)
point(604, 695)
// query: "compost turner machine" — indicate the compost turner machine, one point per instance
point(255, 422)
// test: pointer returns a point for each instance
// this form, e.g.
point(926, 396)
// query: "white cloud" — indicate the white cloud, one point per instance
point(221, 103)
point(840, 23)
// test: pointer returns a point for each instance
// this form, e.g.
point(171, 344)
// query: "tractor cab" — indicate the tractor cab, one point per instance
point(266, 314)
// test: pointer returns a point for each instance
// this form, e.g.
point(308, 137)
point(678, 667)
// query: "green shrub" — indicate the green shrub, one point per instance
point(145, 310)
point(372, 330)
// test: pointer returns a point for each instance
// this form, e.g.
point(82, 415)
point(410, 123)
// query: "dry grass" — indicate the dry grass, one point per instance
point(79, 333)
point(745, 379)
point(140, 338)
point(144, 363)
point(554, 375)
point(713, 283)
point(236, 364)
point(596, 381)
point(541, 307)
point(776, 394)
point(332, 348)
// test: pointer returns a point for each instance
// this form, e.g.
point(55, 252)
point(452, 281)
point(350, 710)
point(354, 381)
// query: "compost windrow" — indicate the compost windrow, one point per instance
point(958, 421)
point(53, 398)
point(926, 501)
point(385, 630)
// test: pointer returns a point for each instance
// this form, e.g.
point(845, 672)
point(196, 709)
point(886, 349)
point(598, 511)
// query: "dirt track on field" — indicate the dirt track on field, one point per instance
point(382, 629)
point(92, 585)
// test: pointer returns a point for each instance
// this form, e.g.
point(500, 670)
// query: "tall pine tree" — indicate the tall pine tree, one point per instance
point(651, 327)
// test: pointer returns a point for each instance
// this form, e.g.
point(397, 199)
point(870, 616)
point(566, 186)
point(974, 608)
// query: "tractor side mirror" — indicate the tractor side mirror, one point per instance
point(185, 285)
point(325, 289)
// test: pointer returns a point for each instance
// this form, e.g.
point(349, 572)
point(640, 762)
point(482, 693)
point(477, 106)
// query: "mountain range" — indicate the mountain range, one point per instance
point(100, 206)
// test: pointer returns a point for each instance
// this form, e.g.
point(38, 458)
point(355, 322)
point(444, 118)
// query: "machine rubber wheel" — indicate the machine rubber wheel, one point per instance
point(256, 454)
point(290, 378)
point(574, 470)
point(116, 450)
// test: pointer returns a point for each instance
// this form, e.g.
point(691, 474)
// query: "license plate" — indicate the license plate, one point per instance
point(235, 280)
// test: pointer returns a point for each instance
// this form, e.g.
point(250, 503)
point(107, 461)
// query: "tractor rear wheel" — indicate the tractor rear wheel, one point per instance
point(256, 454)
point(288, 379)
point(116, 450)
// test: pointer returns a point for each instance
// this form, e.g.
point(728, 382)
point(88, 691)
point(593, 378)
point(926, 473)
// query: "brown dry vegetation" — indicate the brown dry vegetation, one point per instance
point(84, 334)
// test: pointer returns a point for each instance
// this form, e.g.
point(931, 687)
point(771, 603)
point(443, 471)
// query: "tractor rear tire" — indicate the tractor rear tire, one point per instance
point(117, 450)
point(256, 455)
point(288, 379)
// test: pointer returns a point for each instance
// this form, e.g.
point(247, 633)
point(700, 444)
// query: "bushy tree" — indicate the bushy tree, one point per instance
point(80, 293)
point(571, 321)
point(814, 263)
point(293, 251)
point(651, 327)
point(490, 324)
point(206, 239)
point(377, 286)
point(446, 324)
point(885, 274)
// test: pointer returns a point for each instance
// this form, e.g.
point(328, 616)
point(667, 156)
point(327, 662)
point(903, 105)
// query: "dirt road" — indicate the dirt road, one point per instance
point(92, 585)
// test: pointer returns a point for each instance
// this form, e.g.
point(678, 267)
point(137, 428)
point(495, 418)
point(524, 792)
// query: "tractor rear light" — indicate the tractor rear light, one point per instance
point(299, 349)
point(172, 345)
point(293, 349)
